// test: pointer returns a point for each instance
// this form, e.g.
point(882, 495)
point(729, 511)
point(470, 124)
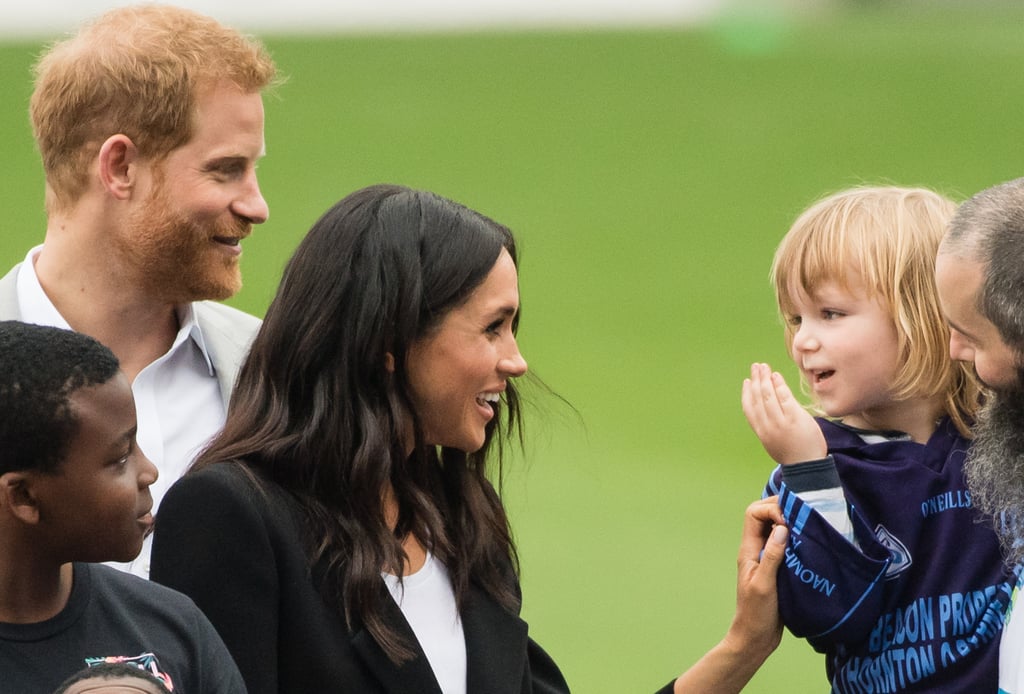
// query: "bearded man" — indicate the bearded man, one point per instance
point(980, 276)
point(149, 122)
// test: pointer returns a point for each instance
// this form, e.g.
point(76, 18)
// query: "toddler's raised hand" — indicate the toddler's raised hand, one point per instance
point(787, 431)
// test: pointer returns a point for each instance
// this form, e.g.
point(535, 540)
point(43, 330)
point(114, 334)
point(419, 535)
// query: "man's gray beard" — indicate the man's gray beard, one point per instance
point(995, 469)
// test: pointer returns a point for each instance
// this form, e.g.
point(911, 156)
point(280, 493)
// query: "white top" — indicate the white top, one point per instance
point(1011, 647)
point(177, 397)
point(427, 600)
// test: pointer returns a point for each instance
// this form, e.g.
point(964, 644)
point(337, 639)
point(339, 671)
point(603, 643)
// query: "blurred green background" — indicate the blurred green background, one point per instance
point(649, 175)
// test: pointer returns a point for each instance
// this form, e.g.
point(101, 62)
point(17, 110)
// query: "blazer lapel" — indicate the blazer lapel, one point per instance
point(495, 651)
point(227, 336)
point(412, 677)
point(495, 646)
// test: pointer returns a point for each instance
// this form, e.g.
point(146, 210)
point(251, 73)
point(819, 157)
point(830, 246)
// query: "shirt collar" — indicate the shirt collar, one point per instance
point(36, 307)
point(33, 304)
point(190, 329)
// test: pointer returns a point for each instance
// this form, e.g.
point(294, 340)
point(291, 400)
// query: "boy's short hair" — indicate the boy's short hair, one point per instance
point(40, 368)
point(109, 671)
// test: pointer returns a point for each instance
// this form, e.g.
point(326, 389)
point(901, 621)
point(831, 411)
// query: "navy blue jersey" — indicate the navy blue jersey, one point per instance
point(917, 603)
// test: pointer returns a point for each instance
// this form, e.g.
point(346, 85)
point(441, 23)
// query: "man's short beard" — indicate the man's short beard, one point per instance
point(995, 468)
point(170, 255)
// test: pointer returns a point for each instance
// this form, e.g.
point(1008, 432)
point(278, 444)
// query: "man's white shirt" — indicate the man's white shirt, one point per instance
point(177, 397)
point(1011, 647)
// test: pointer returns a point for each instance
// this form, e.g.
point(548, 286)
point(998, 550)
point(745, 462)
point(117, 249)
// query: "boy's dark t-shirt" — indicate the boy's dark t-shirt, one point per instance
point(113, 616)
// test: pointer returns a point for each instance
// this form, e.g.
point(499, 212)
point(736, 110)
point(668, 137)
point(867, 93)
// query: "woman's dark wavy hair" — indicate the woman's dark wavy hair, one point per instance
point(317, 411)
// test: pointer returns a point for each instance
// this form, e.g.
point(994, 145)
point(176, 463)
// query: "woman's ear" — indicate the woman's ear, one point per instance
point(17, 498)
point(389, 362)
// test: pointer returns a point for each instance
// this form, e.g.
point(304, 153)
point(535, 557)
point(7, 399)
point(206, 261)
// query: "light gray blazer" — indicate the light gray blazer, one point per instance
point(226, 331)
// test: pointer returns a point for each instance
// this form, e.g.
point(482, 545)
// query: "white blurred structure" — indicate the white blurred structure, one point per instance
point(48, 18)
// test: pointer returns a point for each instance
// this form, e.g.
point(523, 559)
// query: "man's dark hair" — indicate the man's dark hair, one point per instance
point(989, 228)
point(40, 367)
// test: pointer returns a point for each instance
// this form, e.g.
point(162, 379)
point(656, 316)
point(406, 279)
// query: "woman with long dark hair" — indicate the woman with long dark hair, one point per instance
point(341, 532)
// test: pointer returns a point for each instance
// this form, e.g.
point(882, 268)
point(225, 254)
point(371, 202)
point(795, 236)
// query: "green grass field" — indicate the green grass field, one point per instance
point(649, 176)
